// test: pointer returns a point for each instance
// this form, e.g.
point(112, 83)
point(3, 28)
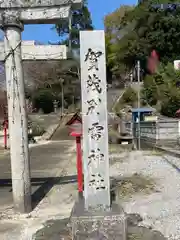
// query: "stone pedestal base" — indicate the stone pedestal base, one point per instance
point(99, 225)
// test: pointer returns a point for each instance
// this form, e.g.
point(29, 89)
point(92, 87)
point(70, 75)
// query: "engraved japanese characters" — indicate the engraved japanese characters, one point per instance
point(95, 130)
point(94, 115)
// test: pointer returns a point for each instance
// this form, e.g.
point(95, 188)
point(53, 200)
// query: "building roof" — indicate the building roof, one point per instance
point(142, 110)
point(74, 118)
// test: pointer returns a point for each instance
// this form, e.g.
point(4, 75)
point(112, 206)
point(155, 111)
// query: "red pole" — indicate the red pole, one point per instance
point(79, 166)
point(5, 135)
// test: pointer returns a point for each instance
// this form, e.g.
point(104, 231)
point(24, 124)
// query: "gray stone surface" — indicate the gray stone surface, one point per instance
point(96, 225)
point(94, 116)
point(59, 230)
point(34, 3)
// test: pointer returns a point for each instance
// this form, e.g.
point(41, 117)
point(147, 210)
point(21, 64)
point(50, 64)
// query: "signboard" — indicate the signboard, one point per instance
point(150, 118)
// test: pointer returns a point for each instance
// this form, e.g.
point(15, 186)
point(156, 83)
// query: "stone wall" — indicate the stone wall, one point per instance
point(160, 132)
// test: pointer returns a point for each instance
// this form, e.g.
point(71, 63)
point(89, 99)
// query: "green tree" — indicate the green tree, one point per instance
point(149, 92)
point(162, 89)
point(150, 29)
point(52, 77)
point(171, 104)
point(145, 29)
point(113, 23)
point(43, 99)
point(81, 20)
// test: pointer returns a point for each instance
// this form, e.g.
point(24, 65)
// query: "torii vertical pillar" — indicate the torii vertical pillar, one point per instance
point(13, 15)
point(20, 169)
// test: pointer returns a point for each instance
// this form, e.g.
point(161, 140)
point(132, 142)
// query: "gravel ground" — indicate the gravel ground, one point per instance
point(57, 229)
point(159, 209)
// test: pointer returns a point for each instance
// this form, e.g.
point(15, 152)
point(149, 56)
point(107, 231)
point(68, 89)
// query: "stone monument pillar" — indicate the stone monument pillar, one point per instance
point(94, 216)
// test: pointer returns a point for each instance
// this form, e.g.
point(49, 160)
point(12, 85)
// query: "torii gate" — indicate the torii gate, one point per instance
point(13, 15)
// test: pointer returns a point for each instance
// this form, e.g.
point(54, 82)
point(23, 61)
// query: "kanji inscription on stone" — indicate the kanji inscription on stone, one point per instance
point(94, 116)
point(93, 105)
point(93, 83)
point(95, 158)
point(95, 131)
point(93, 57)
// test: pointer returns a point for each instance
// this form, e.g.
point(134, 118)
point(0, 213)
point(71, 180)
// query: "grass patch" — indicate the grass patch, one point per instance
point(156, 153)
point(117, 153)
point(115, 148)
point(114, 158)
point(113, 135)
point(134, 236)
point(134, 184)
point(153, 152)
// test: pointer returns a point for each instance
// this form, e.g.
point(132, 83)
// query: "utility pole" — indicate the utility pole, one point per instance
point(70, 32)
point(131, 78)
point(139, 104)
point(62, 97)
point(73, 102)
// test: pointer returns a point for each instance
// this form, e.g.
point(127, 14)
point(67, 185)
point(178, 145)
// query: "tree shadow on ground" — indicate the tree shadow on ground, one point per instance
point(41, 186)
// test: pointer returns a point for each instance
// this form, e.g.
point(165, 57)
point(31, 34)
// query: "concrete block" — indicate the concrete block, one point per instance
point(98, 225)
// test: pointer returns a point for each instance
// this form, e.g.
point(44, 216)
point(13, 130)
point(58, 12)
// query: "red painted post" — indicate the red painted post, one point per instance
point(79, 166)
point(75, 128)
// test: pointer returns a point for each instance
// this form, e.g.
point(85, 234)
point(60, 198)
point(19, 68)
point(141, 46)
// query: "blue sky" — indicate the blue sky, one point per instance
point(98, 9)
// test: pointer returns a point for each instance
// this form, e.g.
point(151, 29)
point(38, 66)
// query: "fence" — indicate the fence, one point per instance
point(161, 132)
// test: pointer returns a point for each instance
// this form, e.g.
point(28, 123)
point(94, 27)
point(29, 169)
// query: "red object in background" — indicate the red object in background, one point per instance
point(177, 114)
point(75, 127)
point(5, 127)
point(154, 54)
point(153, 61)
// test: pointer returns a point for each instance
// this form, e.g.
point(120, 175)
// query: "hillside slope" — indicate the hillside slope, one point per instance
point(112, 96)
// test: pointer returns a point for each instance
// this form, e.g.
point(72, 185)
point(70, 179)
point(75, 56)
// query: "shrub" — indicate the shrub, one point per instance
point(37, 129)
point(171, 104)
point(43, 99)
point(149, 92)
point(129, 96)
